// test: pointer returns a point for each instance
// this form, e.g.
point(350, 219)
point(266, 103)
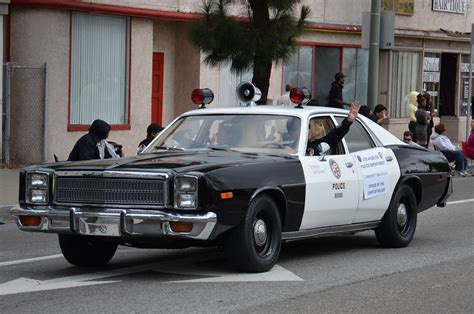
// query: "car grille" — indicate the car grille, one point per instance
point(106, 190)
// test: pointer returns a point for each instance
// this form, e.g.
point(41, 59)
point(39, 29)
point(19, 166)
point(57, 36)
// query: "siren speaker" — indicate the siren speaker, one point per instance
point(247, 92)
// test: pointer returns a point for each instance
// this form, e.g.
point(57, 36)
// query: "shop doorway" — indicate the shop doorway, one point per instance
point(447, 86)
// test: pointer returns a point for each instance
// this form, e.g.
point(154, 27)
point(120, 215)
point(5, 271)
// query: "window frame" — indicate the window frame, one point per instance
point(341, 148)
point(374, 141)
point(115, 127)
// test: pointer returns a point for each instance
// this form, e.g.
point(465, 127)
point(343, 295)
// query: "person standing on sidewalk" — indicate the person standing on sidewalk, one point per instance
point(284, 99)
point(421, 121)
point(431, 113)
point(410, 99)
point(335, 93)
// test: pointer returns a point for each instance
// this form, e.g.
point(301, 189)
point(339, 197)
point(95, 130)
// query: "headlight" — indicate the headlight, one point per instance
point(186, 201)
point(38, 196)
point(37, 188)
point(185, 188)
point(185, 184)
point(38, 180)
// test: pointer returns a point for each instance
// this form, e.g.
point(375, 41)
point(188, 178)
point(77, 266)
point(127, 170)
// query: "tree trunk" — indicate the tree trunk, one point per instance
point(262, 63)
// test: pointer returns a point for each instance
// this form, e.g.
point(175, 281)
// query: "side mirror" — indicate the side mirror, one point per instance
point(323, 150)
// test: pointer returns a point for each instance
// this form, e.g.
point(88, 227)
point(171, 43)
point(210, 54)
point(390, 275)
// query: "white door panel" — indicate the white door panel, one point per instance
point(379, 172)
point(329, 200)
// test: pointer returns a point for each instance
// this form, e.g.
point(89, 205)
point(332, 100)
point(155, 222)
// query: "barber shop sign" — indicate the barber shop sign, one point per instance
point(450, 6)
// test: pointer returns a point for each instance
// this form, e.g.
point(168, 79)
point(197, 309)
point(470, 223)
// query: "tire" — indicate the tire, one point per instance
point(399, 222)
point(254, 246)
point(86, 251)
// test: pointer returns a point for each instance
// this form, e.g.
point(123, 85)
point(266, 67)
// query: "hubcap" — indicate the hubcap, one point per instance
point(402, 215)
point(260, 232)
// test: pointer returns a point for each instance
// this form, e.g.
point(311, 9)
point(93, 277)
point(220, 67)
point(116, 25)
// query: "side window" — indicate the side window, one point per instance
point(320, 127)
point(357, 139)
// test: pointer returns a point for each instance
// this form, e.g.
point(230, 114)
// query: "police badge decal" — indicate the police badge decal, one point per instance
point(336, 171)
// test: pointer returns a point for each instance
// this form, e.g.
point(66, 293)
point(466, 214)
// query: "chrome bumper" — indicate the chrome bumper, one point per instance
point(115, 222)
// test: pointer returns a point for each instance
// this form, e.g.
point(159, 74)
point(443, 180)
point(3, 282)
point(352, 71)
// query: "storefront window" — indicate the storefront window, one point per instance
point(356, 65)
point(431, 76)
point(328, 60)
point(405, 78)
point(298, 70)
point(464, 85)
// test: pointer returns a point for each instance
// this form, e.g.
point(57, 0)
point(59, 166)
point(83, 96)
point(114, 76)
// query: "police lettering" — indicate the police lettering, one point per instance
point(339, 186)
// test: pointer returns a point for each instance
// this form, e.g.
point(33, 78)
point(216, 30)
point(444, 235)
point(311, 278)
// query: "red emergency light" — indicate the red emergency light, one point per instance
point(300, 96)
point(202, 96)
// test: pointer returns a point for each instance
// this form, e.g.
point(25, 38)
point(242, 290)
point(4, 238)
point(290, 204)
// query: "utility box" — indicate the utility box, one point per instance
point(387, 30)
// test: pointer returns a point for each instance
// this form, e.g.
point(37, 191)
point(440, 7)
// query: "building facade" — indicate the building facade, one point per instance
point(130, 63)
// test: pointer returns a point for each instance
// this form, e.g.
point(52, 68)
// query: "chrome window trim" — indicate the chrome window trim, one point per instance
point(116, 174)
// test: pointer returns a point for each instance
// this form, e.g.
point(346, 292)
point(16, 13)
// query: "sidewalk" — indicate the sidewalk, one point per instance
point(8, 192)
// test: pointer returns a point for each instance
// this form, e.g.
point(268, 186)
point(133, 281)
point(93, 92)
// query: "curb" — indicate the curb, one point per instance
point(5, 214)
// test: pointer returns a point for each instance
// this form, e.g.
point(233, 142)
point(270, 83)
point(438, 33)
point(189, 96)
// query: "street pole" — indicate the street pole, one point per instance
point(373, 75)
point(469, 98)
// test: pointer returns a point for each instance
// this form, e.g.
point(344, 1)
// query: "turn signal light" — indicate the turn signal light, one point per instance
point(226, 195)
point(181, 226)
point(30, 220)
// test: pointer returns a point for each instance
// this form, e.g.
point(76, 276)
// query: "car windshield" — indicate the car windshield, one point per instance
point(256, 133)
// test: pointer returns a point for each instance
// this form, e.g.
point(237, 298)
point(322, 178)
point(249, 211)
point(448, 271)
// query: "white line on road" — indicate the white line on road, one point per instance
point(28, 260)
point(461, 201)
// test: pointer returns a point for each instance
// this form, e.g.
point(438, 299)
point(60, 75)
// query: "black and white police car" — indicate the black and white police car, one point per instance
point(240, 177)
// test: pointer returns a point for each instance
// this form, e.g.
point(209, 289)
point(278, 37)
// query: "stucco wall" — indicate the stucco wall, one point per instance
point(39, 36)
point(164, 40)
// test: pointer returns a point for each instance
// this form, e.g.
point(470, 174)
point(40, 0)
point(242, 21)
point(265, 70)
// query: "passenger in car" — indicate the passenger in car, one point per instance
point(334, 136)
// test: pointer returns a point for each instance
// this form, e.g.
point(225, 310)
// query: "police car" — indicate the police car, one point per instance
point(240, 177)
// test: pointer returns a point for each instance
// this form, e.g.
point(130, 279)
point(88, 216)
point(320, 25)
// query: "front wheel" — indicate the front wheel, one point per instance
point(254, 246)
point(399, 222)
point(86, 251)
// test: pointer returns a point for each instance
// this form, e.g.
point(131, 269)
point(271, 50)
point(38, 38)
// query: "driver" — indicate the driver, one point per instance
point(316, 133)
point(224, 136)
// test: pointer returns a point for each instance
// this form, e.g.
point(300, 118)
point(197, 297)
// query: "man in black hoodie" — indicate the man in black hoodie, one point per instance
point(335, 94)
point(93, 144)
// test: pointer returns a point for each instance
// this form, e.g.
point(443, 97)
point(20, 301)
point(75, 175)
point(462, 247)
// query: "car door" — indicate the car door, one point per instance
point(377, 168)
point(332, 186)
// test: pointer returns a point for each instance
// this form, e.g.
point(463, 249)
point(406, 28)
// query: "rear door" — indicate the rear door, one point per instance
point(377, 168)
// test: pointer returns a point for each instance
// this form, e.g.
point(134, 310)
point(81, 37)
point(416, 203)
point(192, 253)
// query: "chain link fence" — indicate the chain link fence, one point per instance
point(24, 114)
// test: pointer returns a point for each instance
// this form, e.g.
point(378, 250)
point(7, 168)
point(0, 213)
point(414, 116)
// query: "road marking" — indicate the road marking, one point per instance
point(184, 266)
point(461, 201)
point(29, 260)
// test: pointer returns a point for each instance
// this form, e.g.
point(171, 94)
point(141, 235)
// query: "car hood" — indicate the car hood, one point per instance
point(169, 162)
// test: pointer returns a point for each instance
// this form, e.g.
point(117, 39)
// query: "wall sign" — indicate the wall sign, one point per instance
point(450, 6)
point(399, 7)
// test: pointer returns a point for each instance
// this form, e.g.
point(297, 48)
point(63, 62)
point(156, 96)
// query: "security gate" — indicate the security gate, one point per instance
point(24, 114)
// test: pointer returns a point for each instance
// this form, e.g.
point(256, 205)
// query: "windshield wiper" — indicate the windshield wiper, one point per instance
point(168, 148)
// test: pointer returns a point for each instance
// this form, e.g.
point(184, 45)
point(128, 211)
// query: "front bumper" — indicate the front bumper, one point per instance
point(111, 222)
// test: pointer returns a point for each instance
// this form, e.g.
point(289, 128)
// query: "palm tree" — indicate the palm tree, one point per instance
point(267, 35)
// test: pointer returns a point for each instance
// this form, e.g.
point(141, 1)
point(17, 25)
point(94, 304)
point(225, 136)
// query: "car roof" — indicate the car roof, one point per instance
point(267, 109)
point(384, 136)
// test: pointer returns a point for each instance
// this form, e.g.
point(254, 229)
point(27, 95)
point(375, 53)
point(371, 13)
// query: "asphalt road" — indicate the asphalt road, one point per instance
point(434, 274)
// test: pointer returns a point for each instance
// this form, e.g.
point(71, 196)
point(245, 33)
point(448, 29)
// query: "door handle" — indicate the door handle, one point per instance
point(388, 158)
point(349, 164)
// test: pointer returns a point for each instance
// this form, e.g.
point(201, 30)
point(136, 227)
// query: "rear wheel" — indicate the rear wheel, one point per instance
point(399, 223)
point(254, 246)
point(86, 251)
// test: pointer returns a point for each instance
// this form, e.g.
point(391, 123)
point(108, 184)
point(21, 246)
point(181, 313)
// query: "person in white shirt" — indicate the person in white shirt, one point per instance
point(285, 98)
point(442, 143)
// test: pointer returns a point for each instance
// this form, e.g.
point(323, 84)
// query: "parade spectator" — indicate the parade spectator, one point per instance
point(410, 100)
point(470, 145)
point(335, 93)
point(380, 113)
point(93, 145)
point(366, 112)
point(408, 138)
point(421, 121)
point(442, 143)
point(151, 132)
point(431, 114)
point(284, 99)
